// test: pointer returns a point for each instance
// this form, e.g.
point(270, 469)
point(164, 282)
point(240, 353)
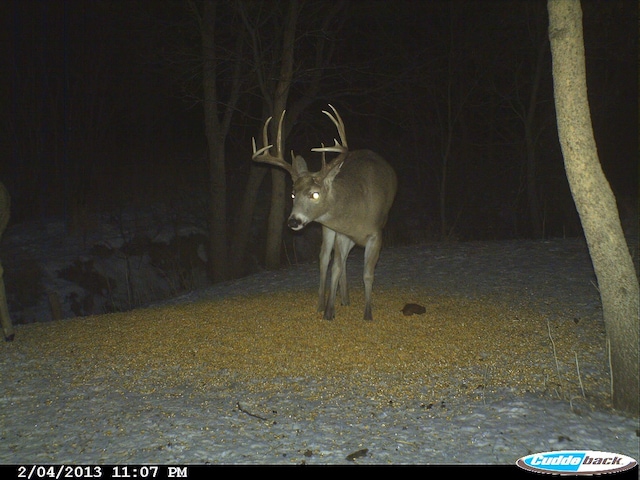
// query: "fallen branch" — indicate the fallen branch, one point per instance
point(240, 408)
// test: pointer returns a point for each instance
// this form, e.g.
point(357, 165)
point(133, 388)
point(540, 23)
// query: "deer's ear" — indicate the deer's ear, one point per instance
point(331, 174)
point(299, 165)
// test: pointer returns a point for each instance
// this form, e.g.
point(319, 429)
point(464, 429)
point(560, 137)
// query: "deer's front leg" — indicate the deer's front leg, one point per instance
point(343, 246)
point(328, 239)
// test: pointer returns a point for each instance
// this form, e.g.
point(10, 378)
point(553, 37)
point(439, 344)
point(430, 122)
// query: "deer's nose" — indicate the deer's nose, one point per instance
point(294, 223)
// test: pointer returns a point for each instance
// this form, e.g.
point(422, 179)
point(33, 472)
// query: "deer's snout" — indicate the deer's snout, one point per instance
point(295, 223)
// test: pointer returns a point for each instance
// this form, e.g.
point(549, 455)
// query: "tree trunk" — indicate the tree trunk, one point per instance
point(274, 104)
point(244, 217)
point(215, 142)
point(217, 122)
point(276, 214)
point(530, 142)
point(595, 202)
point(5, 319)
point(218, 264)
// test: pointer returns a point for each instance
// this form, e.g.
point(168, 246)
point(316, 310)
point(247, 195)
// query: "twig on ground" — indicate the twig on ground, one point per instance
point(555, 356)
point(240, 408)
point(579, 376)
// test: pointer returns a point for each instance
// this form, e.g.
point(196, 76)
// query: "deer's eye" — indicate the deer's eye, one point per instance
point(315, 195)
point(293, 194)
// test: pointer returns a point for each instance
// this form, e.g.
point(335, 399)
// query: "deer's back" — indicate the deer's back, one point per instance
point(365, 187)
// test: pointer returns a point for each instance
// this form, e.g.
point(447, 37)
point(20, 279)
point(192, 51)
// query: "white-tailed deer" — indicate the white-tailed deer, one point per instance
point(350, 197)
point(5, 319)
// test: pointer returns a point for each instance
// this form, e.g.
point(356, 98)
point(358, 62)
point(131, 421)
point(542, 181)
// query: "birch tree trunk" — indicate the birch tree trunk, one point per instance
point(595, 202)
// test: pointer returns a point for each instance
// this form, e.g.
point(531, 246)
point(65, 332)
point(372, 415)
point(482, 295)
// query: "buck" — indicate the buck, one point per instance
point(350, 197)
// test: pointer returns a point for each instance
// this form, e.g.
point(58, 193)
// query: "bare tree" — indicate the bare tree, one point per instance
point(596, 204)
point(217, 124)
point(524, 96)
point(451, 110)
point(5, 319)
point(273, 45)
point(274, 88)
point(278, 105)
point(528, 113)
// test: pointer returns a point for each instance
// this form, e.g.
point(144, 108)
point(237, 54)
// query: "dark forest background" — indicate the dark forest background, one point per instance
point(103, 108)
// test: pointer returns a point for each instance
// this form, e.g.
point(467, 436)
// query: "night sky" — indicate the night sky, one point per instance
point(103, 105)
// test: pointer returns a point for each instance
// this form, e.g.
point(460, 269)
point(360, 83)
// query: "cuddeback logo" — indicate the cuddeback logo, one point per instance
point(580, 462)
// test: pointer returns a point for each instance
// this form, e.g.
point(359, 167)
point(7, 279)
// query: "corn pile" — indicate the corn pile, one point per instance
point(459, 344)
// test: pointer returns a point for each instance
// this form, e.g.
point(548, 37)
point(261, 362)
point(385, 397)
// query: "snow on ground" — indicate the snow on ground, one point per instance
point(47, 416)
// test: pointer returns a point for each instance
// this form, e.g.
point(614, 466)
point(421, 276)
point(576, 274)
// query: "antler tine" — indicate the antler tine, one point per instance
point(265, 141)
point(279, 136)
point(324, 158)
point(337, 121)
point(327, 167)
point(263, 155)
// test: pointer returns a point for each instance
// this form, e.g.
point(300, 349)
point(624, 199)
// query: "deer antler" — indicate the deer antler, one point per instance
point(263, 155)
point(338, 147)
